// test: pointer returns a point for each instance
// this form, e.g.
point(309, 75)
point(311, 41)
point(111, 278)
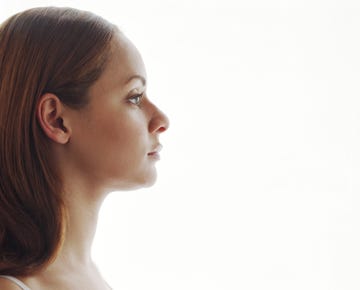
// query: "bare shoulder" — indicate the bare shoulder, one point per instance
point(6, 284)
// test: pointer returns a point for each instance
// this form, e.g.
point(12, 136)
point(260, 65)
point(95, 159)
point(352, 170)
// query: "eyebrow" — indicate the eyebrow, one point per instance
point(143, 80)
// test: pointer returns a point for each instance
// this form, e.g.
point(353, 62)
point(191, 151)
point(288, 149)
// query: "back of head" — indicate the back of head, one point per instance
point(42, 50)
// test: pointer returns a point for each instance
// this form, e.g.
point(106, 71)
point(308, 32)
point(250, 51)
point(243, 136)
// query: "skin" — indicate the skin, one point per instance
point(108, 145)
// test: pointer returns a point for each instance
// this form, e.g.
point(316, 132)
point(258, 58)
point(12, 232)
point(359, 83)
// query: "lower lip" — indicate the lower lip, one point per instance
point(155, 156)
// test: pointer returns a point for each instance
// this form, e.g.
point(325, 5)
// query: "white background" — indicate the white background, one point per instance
point(259, 182)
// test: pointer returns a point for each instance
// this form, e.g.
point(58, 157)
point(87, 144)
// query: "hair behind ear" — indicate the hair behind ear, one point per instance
point(59, 51)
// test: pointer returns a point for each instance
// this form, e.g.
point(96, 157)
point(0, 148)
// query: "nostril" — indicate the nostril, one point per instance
point(162, 129)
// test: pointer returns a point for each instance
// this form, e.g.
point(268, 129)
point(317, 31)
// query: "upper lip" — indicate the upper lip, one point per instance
point(156, 149)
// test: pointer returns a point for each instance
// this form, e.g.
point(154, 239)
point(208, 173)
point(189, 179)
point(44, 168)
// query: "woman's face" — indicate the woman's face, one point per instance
point(115, 138)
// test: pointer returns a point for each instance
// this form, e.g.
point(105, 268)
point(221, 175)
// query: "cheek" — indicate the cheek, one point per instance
point(126, 134)
point(112, 150)
point(123, 142)
point(125, 161)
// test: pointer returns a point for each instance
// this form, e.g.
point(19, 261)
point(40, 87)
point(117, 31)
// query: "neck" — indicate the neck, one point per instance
point(81, 228)
point(73, 263)
point(82, 209)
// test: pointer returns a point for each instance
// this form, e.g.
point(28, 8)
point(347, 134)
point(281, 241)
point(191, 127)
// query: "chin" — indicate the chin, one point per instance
point(143, 181)
point(148, 181)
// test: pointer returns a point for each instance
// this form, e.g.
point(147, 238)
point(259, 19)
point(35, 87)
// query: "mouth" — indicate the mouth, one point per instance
point(155, 154)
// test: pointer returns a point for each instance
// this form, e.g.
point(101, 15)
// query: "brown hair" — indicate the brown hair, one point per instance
point(42, 50)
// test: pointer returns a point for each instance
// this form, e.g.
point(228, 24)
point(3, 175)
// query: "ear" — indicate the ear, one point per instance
point(50, 114)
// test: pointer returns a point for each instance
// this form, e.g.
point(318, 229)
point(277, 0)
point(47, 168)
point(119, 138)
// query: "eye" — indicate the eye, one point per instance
point(136, 99)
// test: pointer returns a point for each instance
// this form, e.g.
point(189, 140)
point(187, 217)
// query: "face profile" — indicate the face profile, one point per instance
point(87, 127)
point(114, 141)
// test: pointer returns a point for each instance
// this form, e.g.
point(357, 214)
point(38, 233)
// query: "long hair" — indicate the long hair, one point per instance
point(42, 50)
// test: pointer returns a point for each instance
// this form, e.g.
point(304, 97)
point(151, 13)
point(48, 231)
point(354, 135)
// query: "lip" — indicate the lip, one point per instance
point(155, 153)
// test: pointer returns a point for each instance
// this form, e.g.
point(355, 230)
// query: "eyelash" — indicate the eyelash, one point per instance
point(136, 99)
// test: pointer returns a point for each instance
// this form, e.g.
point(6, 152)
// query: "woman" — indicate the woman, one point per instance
point(75, 124)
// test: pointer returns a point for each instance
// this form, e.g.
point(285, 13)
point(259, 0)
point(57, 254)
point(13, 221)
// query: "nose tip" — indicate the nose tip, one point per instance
point(160, 123)
point(166, 124)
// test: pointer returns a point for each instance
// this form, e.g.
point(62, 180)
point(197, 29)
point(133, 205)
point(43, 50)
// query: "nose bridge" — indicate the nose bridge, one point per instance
point(159, 122)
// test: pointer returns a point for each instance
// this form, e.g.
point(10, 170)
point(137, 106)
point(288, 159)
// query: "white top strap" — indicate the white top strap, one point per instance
point(16, 281)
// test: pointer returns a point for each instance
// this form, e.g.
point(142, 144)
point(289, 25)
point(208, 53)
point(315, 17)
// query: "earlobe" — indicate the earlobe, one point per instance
point(50, 115)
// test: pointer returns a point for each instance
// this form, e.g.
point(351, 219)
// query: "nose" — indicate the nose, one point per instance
point(159, 121)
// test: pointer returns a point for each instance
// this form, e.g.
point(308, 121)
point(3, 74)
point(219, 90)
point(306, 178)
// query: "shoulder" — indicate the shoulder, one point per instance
point(6, 284)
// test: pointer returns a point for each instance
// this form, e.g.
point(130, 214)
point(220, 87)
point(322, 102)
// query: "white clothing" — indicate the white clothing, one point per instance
point(16, 281)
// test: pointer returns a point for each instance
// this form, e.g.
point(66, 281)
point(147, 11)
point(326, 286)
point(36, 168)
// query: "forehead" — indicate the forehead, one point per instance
point(124, 62)
point(125, 58)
